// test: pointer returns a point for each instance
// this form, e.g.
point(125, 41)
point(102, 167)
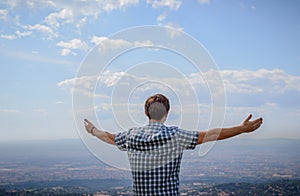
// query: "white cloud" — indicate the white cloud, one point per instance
point(250, 82)
point(17, 34)
point(145, 43)
point(41, 28)
point(174, 29)
point(32, 4)
point(108, 78)
point(75, 13)
point(243, 83)
point(66, 52)
point(274, 80)
point(9, 37)
point(70, 11)
point(90, 7)
point(65, 15)
point(97, 40)
point(172, 4)
point(81, 22)
point(23, 34)
point(86, 84)
point(72, 45)
point(106, 43)
point(3, 14)
point(109, 6)
point(162, 17)
point(236, 81)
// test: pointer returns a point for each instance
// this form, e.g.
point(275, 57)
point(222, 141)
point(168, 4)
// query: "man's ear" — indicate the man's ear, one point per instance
point(146, 115)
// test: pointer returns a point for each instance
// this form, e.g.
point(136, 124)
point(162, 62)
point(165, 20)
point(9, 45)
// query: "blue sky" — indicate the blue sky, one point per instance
point(255, 44)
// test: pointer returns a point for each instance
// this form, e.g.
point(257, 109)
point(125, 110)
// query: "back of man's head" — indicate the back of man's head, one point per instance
point(157, 106)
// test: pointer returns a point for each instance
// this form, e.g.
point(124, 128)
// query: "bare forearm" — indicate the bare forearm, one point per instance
point(104, 136)
point(223, 133)
point(219, 134)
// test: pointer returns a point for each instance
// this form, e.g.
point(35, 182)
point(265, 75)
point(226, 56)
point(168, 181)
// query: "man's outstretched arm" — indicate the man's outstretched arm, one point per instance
point(102, 135)
point(223, 133)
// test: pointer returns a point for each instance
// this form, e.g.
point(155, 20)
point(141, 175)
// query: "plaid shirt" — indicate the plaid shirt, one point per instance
point(155, 153)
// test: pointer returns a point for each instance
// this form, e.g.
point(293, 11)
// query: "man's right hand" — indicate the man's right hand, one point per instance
point(249, 126)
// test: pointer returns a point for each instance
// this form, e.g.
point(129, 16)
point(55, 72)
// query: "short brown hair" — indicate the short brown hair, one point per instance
point(157, 98)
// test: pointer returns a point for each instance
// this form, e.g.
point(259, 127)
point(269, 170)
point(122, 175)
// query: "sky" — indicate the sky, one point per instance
point(44, 46)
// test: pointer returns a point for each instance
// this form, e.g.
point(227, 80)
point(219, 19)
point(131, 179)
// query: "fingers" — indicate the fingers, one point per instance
point(258, 120)
point(87, 122)
point(256, 126)
point(248, 118)
point(254, 121)
point(257, 123)
point(252, 125)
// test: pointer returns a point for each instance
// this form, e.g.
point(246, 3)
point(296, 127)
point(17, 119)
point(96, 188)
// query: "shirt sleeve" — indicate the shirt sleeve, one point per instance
point(120, 140)
point(188, 139)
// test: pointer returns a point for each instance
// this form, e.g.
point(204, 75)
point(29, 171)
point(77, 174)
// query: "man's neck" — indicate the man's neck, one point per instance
point(157, 121)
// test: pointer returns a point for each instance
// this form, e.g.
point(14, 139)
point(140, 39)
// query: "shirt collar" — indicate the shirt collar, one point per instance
point(155, 123)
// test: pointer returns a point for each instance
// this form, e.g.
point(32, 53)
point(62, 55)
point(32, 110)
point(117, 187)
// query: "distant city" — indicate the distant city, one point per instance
point(232, 167)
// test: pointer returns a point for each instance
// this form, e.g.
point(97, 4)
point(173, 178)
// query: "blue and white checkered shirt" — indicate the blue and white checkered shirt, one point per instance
point(155, 153)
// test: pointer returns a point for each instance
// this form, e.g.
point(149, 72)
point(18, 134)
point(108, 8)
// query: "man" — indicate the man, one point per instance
point(155, 150)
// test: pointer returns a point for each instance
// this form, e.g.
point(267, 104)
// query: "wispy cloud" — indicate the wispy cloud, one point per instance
point(17, 34)
point(50, 33)
point(86, 84)
point(262, 82)
point(3, 14)
point(74, 13)
point(70, 12)
point(10, 111)
point(174, 29)
point(172, 4)
point(106, 44)
point(70, 45)
point(66, 52)
point(56, 18)
point(161, 17)
point(8, 37)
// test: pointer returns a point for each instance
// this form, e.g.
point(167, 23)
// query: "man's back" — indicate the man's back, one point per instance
point(155, 153)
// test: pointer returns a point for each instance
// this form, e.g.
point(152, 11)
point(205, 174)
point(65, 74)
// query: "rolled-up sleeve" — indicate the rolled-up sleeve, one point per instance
point(188, 139)
point(120, 140)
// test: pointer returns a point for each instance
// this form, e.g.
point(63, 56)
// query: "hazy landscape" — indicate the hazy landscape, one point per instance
point(64, 167)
